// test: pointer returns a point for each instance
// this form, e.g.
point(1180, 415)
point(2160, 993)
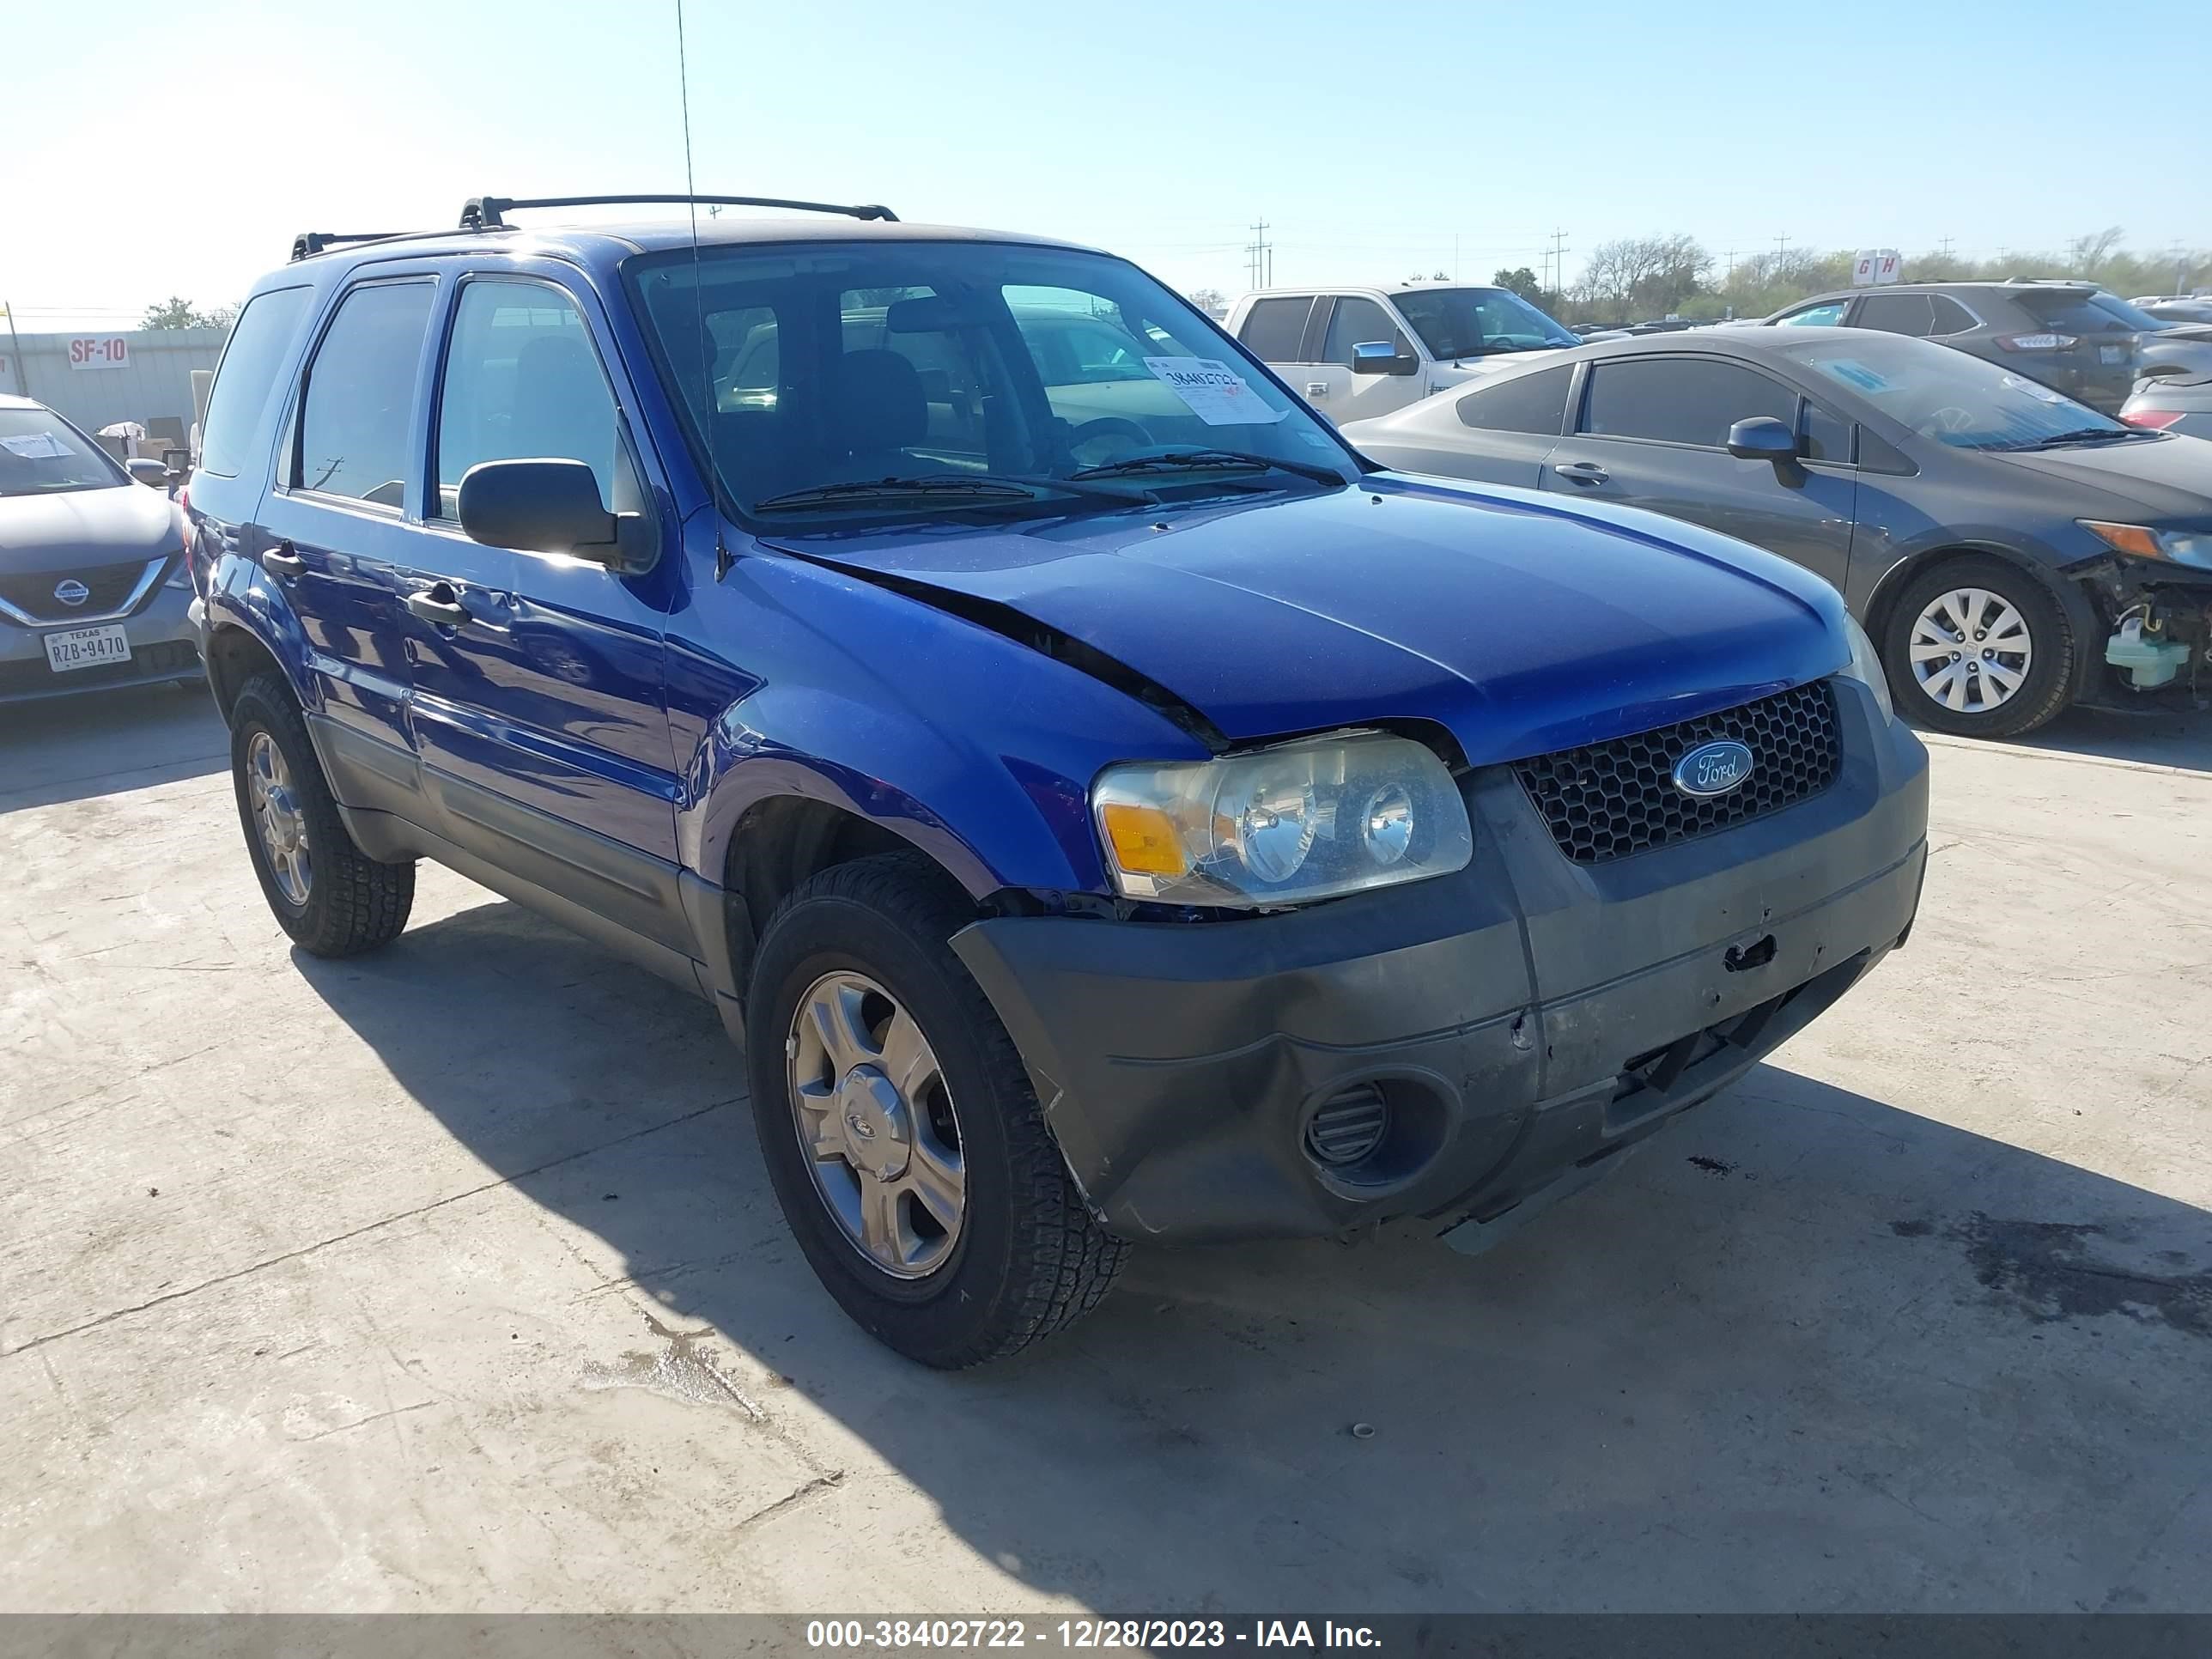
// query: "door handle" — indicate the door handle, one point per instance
point(1316, 388)
point(439, 604)
point(282, 562)
point(1581, 472)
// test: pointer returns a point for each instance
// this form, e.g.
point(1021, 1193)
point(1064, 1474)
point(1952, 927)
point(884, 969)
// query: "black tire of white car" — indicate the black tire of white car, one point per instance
point(1027, 1258)
point(353, 904)
point(2048, 685)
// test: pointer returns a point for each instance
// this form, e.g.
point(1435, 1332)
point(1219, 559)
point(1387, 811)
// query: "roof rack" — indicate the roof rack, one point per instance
point(308, 243)
point(486, 212)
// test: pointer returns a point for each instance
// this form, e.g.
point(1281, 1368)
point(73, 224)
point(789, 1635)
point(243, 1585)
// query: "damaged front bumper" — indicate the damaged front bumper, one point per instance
point(2158, 622)
point(1501, 1030)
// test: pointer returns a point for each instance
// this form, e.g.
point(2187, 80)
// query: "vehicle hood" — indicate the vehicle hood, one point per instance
point(78, 529)
point(1520, 624)
point(2168, 477)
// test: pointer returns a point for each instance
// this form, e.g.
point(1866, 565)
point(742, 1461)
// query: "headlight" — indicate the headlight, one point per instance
point(2188, 547)
point(1866, 668)
point(1309, 820)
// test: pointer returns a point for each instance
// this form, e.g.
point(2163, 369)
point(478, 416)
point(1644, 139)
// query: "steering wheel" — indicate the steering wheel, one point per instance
point(1106, 429)
point(1950, 418)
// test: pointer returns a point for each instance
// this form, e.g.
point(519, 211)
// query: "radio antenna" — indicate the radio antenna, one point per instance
point(722, 560)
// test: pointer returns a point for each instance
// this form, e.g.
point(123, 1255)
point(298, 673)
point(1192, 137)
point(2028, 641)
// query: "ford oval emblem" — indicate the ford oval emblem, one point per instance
point(70, 591)
point(1713, 768)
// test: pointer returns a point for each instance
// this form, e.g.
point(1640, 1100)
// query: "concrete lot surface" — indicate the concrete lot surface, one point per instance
point(449, 1279)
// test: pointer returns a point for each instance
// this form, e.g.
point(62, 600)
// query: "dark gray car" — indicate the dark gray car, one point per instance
point(2010, 550)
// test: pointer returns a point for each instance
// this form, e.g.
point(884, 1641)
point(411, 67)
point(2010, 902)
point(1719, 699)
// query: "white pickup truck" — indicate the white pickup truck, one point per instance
point(1439, 335)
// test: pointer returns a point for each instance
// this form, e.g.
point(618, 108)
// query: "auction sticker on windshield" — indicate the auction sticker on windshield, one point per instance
point(1216, 394)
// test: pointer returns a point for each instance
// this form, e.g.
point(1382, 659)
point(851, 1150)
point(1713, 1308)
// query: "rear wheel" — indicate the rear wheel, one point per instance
point(1979, 647)
point(332, 898)
point(899, 1128)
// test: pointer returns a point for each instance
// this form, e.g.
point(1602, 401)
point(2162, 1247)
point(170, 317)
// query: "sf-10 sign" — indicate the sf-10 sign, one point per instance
point(99, 351)
point(1873, 266)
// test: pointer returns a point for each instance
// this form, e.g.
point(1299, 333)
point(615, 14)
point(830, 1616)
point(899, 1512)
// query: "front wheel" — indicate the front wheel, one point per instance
point(900, 1129)
point(1979, 647)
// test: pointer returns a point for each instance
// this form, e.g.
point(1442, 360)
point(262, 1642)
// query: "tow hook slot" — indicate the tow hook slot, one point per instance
point(1742, 957)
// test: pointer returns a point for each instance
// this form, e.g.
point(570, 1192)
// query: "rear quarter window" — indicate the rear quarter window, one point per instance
point(260, 343)
point(1527, 403)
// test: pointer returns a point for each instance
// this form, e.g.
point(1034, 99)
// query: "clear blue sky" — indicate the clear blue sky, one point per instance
point(1373, 138)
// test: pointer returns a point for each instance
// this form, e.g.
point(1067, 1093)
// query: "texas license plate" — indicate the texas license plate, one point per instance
point(2112, 353)
point(88, 647)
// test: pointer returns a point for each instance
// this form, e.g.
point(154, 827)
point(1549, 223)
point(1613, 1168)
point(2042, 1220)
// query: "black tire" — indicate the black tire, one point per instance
point(354, 903)
point(1029, 1259)
point(2049, 684)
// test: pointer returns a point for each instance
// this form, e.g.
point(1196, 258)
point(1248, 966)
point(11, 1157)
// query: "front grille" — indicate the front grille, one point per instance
point(34, 595)
point(1607, 800)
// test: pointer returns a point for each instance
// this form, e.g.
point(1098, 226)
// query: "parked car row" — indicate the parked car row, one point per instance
point(1106, 805)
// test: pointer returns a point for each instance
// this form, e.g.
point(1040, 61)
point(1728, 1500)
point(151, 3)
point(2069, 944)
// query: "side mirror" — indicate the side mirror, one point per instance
point(549, 507)
point(1762, 438)
point(1381, 357)
point(147, 471)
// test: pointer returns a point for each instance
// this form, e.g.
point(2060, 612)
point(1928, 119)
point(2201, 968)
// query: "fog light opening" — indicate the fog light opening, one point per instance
point(1376, 1131)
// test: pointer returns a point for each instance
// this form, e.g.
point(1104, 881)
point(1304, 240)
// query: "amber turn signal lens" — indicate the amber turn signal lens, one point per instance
point(2125, 538)
point(1143, 840)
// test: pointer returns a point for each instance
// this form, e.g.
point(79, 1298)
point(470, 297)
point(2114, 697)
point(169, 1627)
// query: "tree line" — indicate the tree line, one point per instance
point(1640, 278)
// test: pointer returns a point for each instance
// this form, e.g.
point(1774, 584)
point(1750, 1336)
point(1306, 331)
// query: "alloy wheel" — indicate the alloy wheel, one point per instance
point(877, 1124)
point(281, 820)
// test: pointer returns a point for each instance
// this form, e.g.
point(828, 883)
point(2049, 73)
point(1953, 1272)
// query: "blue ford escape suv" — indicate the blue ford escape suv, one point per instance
point(1104, 806)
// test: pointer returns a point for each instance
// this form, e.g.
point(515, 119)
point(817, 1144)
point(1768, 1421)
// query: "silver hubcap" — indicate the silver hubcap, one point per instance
point(869, 1101)
point(276, 814)
point(1970, 650)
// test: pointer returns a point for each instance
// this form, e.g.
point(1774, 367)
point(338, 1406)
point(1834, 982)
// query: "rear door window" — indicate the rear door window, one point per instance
point(360, 400)
point(1274, 330)
point(1681, 400)
point(1897, 313)
point(1527, 403)
point(260, 342)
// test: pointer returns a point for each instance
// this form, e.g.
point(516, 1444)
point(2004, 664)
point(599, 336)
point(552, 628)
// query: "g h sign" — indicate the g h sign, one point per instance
point(99, 351)
point(1874, 266)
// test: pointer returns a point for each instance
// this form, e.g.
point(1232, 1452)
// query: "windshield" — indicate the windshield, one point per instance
point(1469, 322)
point(41, 454)
point(1951, 397)
point(998, 377)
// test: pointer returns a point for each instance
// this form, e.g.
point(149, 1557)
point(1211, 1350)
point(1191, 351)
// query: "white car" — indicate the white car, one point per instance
point(1422, 337)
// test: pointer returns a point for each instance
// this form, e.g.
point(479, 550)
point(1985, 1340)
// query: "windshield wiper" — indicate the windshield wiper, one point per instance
point(2088, 435)
point(939, 486)
point(1208, 460)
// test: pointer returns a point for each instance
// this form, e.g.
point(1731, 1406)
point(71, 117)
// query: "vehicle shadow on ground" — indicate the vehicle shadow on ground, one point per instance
point(2180, 739)
point(1807, 1351)
point(72, 748)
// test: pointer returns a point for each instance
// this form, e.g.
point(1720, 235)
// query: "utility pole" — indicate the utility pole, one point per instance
point(1559, 263)
point(1729, 280)
point(23, 369)
point(1263, 256)
point(1947, 247)
point(1781, 247)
